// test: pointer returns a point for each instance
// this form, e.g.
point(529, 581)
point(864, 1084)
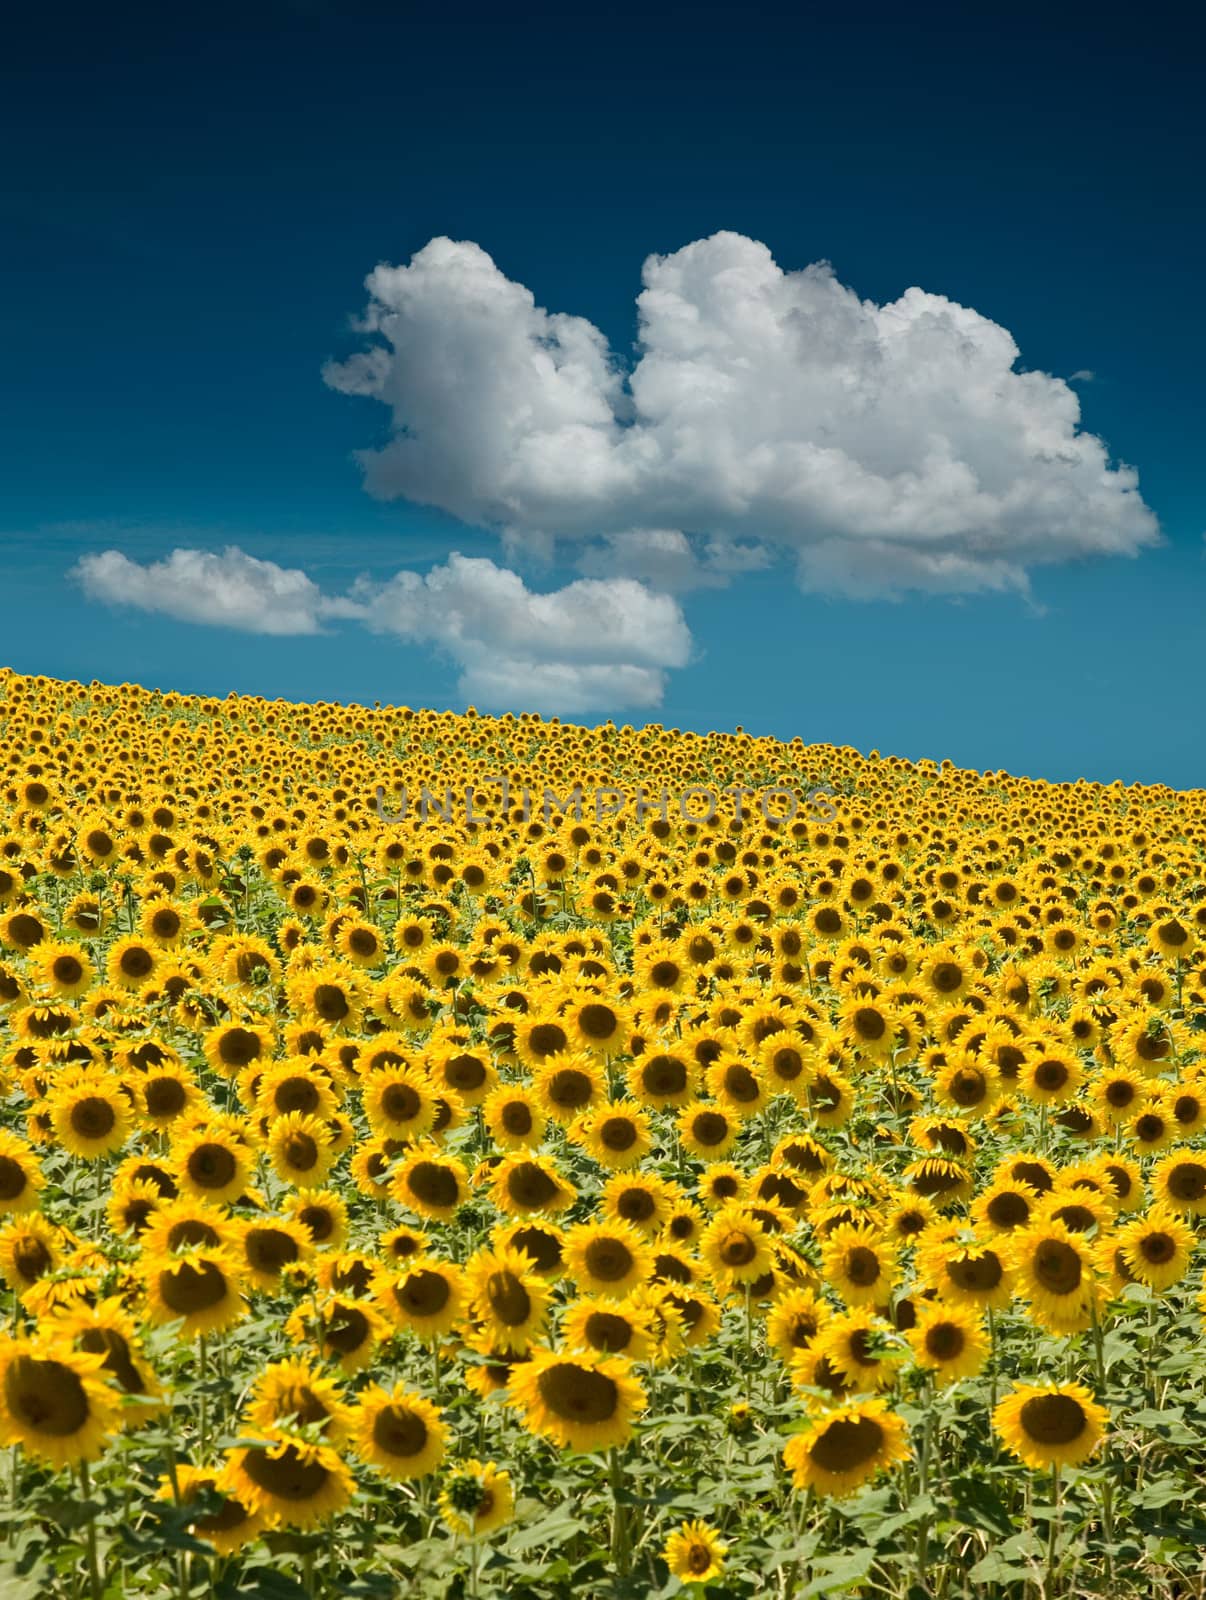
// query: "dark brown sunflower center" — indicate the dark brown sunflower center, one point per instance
point(945, 1340)
point(608, 1260)
point(190, 1288)
point(598, 1021)
point(212, 1166)
point(710, 1128)
point(618, 1134)
point(93, 1118)
point(433, 1184)
point(165, 1097)
point(1187, 1181)
point(976, 1274)
point(547, 1038)
point(47, 1396)
point(238, 1047)
point(1053, 1419)
point(569, 1088)
point(509, 1300)
point(401, 1102)
point(287, 1476)
point(608, 1331)
point(530, 1186)
point(13, 1178)
point(1057, 1266)
point(270, 1249)
point(1157, 1248)
point(846, 1444)
point(112, 1345)
point(423, 1293)
point(399, 1432)
point(578, 1394)
point(862, 1266)
point(738, 1249)
point(331, 1003)
point(517, 1118)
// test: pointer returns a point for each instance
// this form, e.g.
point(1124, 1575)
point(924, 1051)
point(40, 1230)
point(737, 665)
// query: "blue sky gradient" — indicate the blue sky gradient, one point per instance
point(193, 199)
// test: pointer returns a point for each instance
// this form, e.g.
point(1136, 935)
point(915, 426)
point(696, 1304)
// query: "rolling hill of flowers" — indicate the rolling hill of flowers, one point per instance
point(407, 1193)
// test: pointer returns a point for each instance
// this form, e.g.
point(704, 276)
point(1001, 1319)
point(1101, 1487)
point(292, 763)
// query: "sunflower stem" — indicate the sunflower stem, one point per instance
point(94, 1576)
point(1052, 1535)
point(203, 1370)
point(619, 1524)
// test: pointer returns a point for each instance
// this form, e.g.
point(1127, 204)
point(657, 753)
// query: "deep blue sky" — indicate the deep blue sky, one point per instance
point(192, 197)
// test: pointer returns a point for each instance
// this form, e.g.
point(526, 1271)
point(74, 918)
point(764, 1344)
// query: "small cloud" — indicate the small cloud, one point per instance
point(1083, 375)
point(596, 644)
point(230, 590)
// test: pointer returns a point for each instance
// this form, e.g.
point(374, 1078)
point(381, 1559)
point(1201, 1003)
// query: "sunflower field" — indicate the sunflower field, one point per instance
point(529, 1200)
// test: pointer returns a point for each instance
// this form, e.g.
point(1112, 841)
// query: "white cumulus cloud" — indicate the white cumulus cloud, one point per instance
point(593, 644)
point(597, 644)
point(879, 446)
point(231, 590)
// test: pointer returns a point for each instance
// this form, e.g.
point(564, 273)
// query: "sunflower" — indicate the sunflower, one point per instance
point(398, 1102)
point(55, 1401)
point(399, 1433)
point(199, 1287)
point(231, 1046)
point(1051, 1425)
point(477, 1498)
point(186, 1224)
point(108, 1329)
point(345, 1331)
point(1057, 1272)
point(615, 1136)
point(514, 1120)
point(695, 1553)
point(430, 1183)
point(507, 1297)
point(861, 1266)
point(949, 1340)
point(460, 1068)
point(860, 1346)
point(165, 1093)
point(609, 1259)
point(210, 1163)
point(707, 1130)
point(131, 963)
point(289, 1481)
point(65, 969)
point(21, 1179)
point(323, 1214)
point(795, 1319)
point(229, 1525)
point(523, 1185)
point(292, 1394)
point(584, 1402)
point(427, 1297)
point(598, 1024)
point(611, 1327)
point(297, 1085)
point(91, 1115)
point(301, 1149)
point(270, 1247)
point(966, 1271)
point(1157, 1248)
point(1178, 1182)
point(845, 1446)
point(30, 1248)
point(735, 1248)
point(565, 1085)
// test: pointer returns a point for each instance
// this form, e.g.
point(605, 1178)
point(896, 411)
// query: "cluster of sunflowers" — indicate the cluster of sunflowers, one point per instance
point(340, 1153)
